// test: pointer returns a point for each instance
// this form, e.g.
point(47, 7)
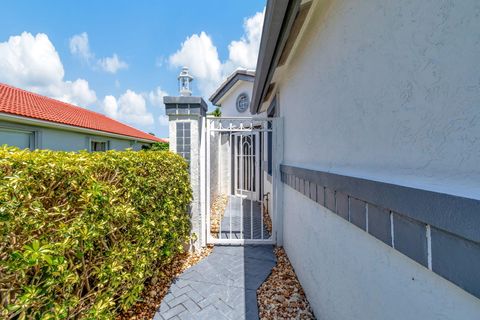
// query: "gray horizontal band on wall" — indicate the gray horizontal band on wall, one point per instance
point(457, 215)
point(377, 208)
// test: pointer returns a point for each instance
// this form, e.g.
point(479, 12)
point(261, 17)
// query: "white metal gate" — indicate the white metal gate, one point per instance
point(246, 168)
point(241, 173)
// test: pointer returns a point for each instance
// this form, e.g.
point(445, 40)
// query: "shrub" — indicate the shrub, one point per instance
point(216, 113)
point(81, 232)
point(157, 146)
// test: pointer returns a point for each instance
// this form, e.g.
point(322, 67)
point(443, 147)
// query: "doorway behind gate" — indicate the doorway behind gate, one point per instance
point(240, 182)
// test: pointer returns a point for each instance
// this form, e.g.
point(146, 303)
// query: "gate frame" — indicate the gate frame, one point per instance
point(277, 187)
point(239, 137)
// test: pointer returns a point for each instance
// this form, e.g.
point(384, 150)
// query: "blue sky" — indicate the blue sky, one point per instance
point(121, 57)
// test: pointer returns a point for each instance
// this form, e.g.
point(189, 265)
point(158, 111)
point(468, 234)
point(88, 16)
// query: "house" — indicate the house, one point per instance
point(233, 98)
point(380, 183)
point(229, 161)
point(371, 146)
point(234, 94)
point(29, 120)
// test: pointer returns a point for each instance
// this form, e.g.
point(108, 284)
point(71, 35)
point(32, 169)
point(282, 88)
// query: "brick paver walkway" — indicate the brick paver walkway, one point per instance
point(221, 286)
point(248, 225)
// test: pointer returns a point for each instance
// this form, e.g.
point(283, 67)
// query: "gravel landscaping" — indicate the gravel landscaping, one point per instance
point(217, 212)
point(156, 288)
point(267, 221)
point(281, 296)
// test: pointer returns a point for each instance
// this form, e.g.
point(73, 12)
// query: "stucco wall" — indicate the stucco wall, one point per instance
point(54, 139)
point(196, 125)
point(214, 165)
point(229, 102)
point(220, 166)
point(348, 274)
point(225, 174)
point(388, 91)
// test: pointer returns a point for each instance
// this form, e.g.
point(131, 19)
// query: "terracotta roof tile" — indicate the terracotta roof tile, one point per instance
point(23, 103)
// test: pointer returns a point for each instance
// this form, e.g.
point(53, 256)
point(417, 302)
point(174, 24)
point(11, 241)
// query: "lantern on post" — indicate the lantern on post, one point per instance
point(184, 79)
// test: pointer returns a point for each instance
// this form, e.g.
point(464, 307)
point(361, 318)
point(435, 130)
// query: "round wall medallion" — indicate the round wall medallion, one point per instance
point(242, 102)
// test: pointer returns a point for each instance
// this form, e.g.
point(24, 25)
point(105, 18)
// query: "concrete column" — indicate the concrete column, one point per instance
point(186, 116)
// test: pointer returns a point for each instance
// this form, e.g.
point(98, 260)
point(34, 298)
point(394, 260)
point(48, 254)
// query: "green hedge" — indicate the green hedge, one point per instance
point(81, 232)
point(157, 146)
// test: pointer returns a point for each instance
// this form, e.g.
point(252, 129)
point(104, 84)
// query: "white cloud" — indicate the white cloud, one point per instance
point(155, 97)
point(110, 106)
point(163, 120)
point(78, 92)
point(32, 62)
point(130, 108)
point(80, 47)
point(244, 52)
point(112, 64)
point(201, 56)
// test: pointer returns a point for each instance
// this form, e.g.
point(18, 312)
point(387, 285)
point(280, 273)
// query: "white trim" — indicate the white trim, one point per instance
point(91, 140)
point(12, 129)
point(203, 182)
point(366, 216)
point(207, 178)
point(55, 125)
point(429, 246)
point(277, 185)
point(241, 118)
point(392, 230)
point(213, 240)
point(231, 77)
point(241, 130)
point(243, 162)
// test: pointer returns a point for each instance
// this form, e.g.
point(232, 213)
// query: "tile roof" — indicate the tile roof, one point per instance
point(23, 103)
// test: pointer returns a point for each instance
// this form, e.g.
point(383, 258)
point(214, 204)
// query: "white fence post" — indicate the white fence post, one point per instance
point(277, 183)
point(203, 181)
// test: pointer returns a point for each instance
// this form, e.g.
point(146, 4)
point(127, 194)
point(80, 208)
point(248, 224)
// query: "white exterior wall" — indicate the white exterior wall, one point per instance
point(225, 170)
point(220, 167)
point(388, 91)
point(348, 274)
point(229, 101)
point(214, 166)
point(63, 140)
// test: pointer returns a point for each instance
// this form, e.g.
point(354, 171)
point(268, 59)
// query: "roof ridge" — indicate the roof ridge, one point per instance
point(79, 110)
point(228, 79)
point(42, 96)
